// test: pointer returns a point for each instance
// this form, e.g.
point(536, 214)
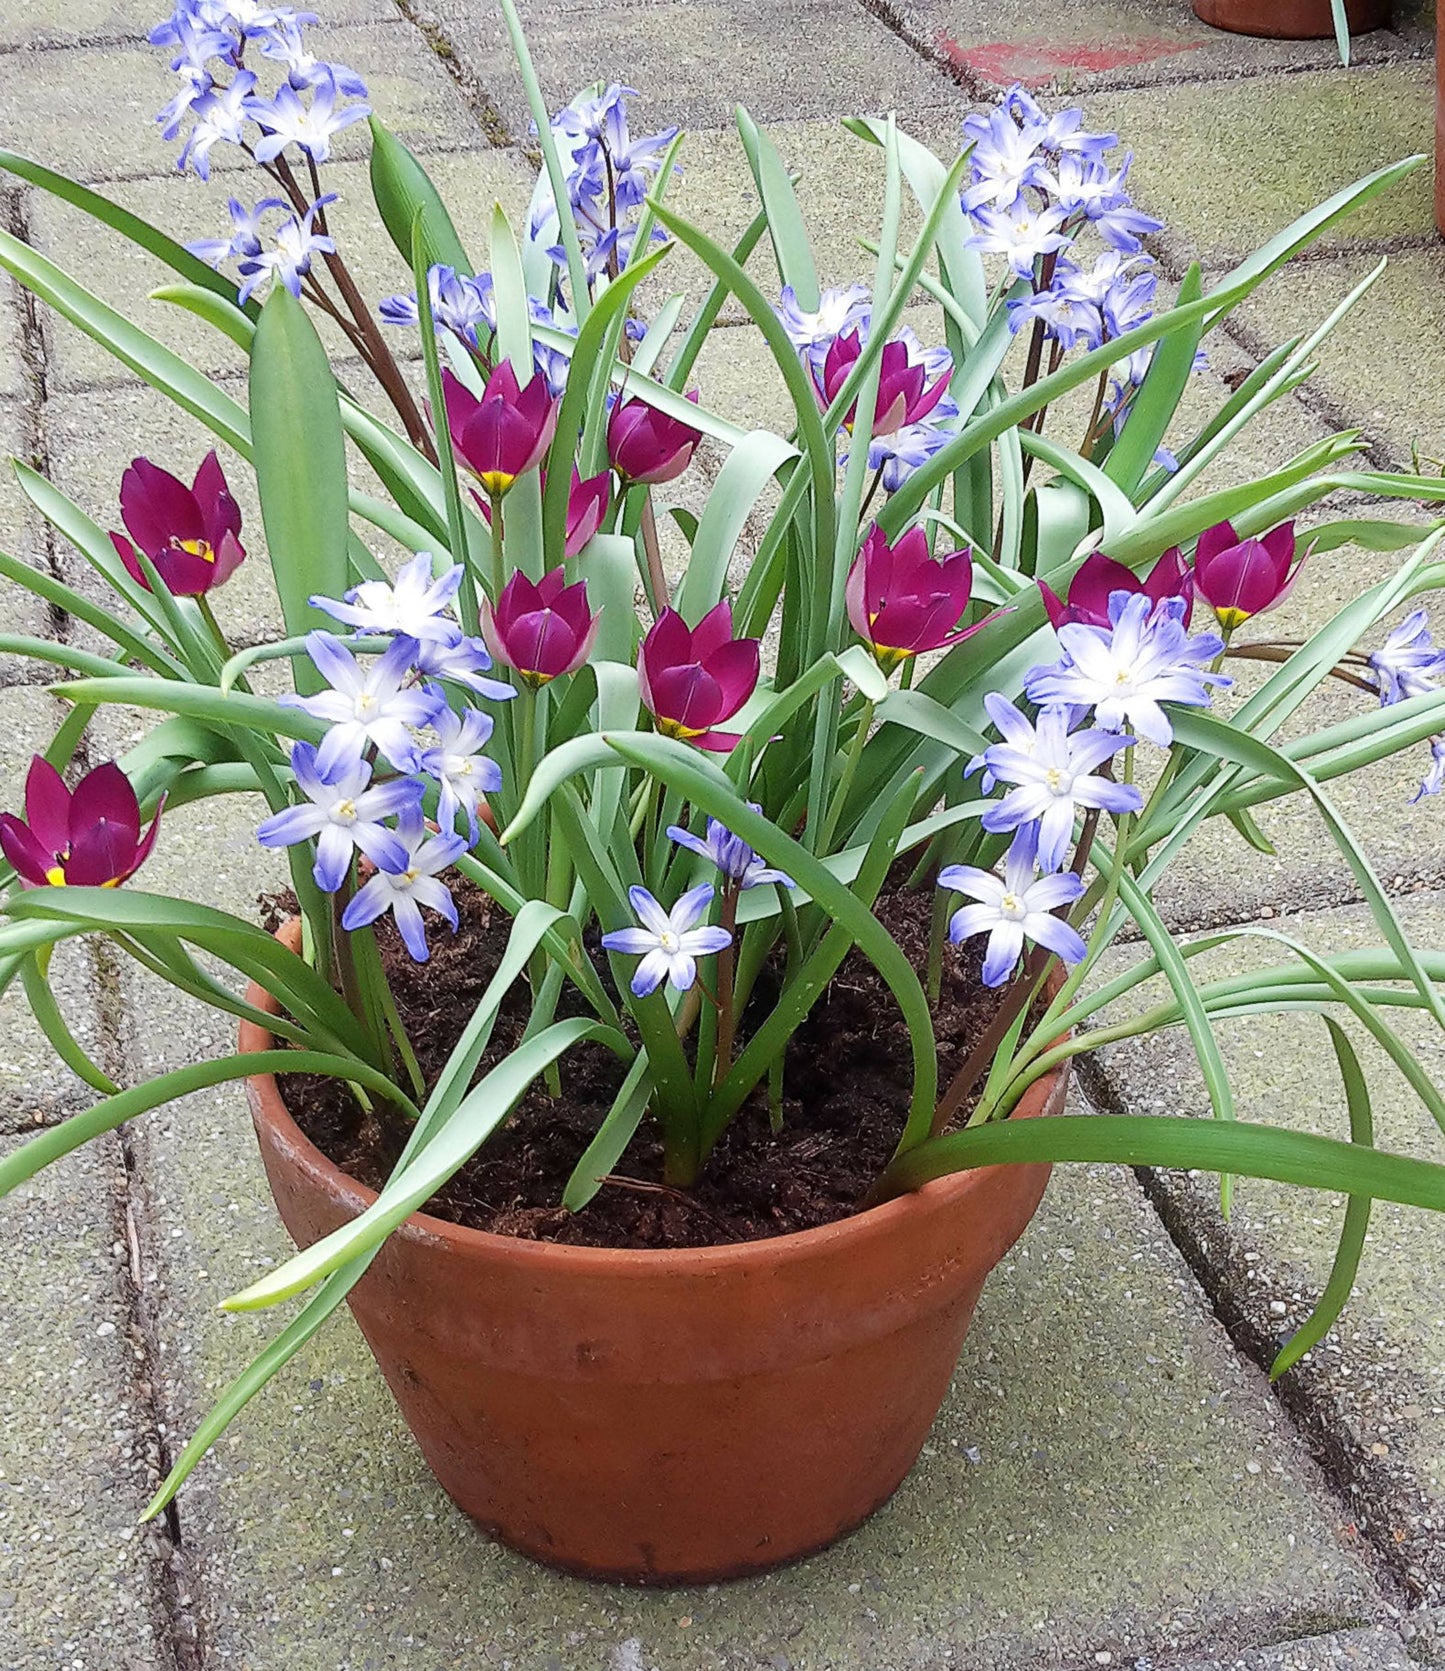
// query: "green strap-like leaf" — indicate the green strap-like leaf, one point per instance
point(300, 459)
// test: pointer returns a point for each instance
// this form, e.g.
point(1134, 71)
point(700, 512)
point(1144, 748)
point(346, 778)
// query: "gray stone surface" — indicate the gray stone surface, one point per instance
point(1374, 364)
point(852, 64)
point(21, 536)
point(88, 111)
point(1376, 1385)
point(1081, 44)
point(1271, 158)
point(1355, 1650)
point(53, 23)
point(80, 1584)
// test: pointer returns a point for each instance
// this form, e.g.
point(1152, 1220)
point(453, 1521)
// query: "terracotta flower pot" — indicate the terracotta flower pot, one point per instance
point(667, 1417)
point(1291, 20)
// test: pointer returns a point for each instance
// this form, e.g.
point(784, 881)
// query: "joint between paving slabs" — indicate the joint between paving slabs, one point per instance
point(1367, 1489)
point(483, 108)
point(177, 1579)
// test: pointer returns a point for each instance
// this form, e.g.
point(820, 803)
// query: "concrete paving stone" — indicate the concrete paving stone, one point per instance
point(696, 60)
point(1353, 1650)
point(52, 23)
point(1227, 166)
point(1376, 1386)
point(34, 1086)
point(123, 275)
point(13, 381)
point(80, 1583)
point(1379, 363)
point(88, 111)
point(1080, 44)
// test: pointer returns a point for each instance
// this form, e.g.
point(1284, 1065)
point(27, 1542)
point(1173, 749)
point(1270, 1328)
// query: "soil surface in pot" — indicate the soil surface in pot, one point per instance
point(846, 1088)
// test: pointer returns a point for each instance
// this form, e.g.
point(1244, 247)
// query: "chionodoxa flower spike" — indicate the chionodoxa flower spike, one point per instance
point(89, 837)
point(669, 942)
point(191, 534)
point(504, 434)
point(694, 678)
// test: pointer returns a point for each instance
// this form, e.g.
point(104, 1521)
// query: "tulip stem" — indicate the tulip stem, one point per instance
point(845, 780)
point(498, 563)
point(656, 579)
point(726, 987)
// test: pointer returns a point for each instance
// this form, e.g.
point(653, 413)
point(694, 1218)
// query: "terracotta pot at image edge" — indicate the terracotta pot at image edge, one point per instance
point(1291, 20)
point(667, 1417)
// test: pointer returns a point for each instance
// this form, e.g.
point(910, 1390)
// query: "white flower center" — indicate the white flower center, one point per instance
point(1012, 906)
point(344, 812)
point(1057, 780)
point(366, 705)
point(668, 942)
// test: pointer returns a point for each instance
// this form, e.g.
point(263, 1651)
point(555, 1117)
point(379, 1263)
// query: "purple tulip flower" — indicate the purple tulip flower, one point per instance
point(905, 394)
point(505, 433)
point(646, 446)
point(902, 600)
point(694, 678)
point(1100, 577)
point(1239, 578)
point(189, 533)
point(542, 629)
point(86, 838)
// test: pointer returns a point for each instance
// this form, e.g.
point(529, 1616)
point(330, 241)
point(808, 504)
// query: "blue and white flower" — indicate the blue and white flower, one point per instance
point(1148, 658)
point(1022, 234)
point(1013, 908)
point(461, 661)
point(1434, 783)
point(289, 260)
point(1054, 772)
point(287, 45)
point(286, 119)
point(462, 772)
point(811, 331)
point(247, 233)
point(342, 814)
point(458, 304)
point(415, 604)
point(731, 854)
point(221, 117)
point(1409, 661)
point(405, 889)
point(372, 701)
point(668, 942)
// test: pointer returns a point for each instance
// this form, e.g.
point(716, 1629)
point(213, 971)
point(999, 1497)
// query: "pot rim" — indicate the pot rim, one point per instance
point(819, 1241)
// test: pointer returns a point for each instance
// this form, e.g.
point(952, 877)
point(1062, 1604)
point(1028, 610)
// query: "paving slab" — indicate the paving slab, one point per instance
point(1374, 1390)
point(81, 1586)
point(13, 381)
point(1226, 166)
point(123, 274)
point(1077, 44)
point(1378, 364)
point(696, 60)
point(88, 111)
point(1353, 1650)
point(61, 23)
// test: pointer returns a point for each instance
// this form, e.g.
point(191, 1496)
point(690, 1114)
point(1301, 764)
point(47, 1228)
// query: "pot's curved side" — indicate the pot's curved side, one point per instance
point(668, 1417)
point(1291, 20)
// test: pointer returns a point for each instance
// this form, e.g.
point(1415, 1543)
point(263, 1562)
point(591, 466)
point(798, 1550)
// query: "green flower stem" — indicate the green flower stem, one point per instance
point(499, 568)
point(726, 989)
point(845, 780)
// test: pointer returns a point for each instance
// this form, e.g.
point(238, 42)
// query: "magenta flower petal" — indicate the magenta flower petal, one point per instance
point(692, 679)
point(104, 795)
point(157, 508)
point(47, 805)
point(29, 857)
point(902, 600)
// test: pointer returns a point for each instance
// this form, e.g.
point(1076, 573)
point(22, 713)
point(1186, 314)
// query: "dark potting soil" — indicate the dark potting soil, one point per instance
point(846, 1087)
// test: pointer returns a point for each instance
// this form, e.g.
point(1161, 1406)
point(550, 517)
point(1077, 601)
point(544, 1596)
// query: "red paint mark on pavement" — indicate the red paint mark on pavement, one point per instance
point(1036, 63)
